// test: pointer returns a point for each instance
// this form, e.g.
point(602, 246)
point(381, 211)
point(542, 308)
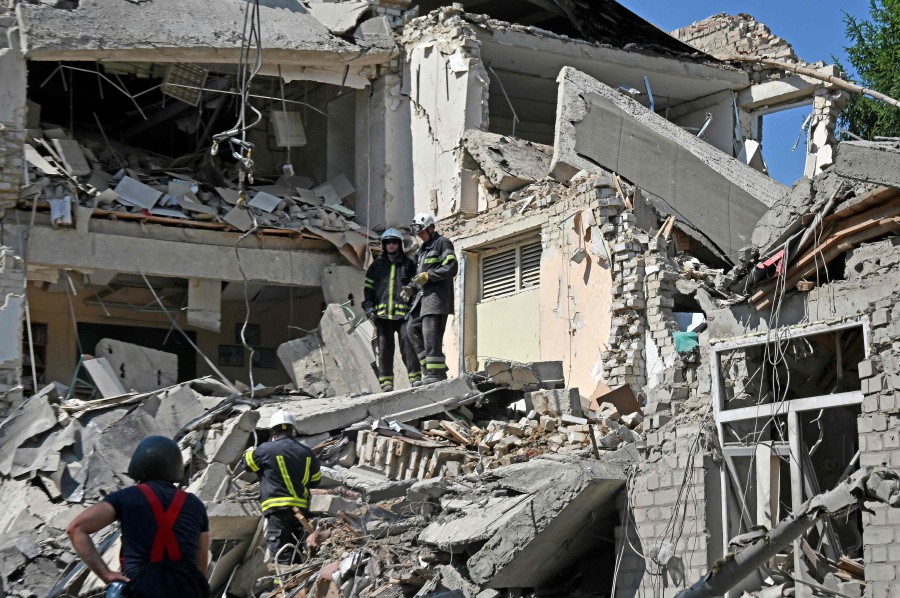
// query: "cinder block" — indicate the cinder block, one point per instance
point(877, 535)
point(881, 317)
point(880, 572)
point(564, 401)
point(866, 368)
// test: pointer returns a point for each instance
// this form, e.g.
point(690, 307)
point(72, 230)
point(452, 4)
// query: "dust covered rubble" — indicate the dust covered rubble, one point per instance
point(520, 437)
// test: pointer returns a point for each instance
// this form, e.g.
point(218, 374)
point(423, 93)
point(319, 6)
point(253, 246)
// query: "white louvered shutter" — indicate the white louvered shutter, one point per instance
point(530, 264)
point(498, 274)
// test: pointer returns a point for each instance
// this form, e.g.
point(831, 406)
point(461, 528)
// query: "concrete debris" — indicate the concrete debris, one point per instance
point(312, 367)
point(338, 17)
point(507, 162)
point(457, 476)
point(589, 113)
point(140, 369)
point(656, 346)
point(525, 376)
point(870, 161)
point(147, 193)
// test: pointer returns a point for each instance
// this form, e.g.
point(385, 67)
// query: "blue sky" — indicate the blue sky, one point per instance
point(814, 27)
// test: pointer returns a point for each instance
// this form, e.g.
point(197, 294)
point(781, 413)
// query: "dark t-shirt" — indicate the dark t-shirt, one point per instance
point(139, 525)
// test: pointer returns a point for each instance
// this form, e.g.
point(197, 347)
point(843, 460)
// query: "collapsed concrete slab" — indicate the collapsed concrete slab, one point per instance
point(481, 520)
point(312, 367)
point(233, 520)
point(597, 125)
point(95, 28)
point(353, 352)
point(139, 368)
point(870, 161)
point(526, 376)
point(556, 525)
point(338, 17)
point(508, 163)
point(315, 416)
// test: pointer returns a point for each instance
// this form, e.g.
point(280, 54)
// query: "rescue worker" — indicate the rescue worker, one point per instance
point(287, 470)
point(436, 267)
point(388, 311)
point(165, 530)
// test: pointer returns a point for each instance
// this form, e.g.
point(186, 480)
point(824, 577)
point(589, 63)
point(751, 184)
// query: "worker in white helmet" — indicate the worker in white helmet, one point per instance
point(287, 471)
point(436, 267)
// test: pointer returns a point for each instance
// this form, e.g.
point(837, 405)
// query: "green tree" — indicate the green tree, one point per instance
point(874, 53)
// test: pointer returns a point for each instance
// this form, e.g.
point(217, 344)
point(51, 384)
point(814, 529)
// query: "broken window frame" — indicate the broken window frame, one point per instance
point(520, 274)
point(790, 408)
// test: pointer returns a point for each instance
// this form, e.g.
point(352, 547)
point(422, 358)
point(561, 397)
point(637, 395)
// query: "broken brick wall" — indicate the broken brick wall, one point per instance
point(669, 535)
point(724, 34)
point(664, 539)
point(879, 443)
point(735, 34)
point(12, 112)
point(12, 312)
point(447, 85)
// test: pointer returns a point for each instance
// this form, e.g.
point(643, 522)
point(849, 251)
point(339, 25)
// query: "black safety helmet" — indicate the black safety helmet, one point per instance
point(156, 458)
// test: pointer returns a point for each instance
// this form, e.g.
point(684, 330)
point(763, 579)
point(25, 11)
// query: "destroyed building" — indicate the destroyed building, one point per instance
point(657, 349)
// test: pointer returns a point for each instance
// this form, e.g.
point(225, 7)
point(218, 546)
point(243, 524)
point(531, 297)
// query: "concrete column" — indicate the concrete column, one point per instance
point(448, 91)
point(12, 313)
point(13, 85)
point(205, 303)
point(384, 168)
point(827, 106)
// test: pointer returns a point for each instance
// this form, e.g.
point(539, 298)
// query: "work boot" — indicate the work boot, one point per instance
point(387, 387)
point(416, 384)
point(432, 377)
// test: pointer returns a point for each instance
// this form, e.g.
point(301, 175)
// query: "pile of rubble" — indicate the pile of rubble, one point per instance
point(481, 466)
point(90, 179)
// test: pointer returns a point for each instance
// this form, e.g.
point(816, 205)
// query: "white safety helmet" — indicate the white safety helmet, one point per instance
point(422, 221)
point(282, 418)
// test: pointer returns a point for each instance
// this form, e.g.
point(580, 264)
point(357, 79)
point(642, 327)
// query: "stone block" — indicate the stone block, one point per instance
point(228, 445)
point(331, 504)
point(139, 368)
point(539, 541)
point(866, 368)
point(564, 401)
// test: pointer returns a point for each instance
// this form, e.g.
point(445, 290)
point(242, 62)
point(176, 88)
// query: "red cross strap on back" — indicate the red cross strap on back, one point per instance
point(164, 542)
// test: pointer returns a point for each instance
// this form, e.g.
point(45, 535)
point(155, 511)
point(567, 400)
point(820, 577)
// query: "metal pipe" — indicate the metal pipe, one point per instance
point(884, 488)
point(649, 94)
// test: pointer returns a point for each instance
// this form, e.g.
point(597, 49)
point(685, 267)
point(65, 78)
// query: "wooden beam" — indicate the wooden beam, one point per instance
point(825, 253)
point(848, 229)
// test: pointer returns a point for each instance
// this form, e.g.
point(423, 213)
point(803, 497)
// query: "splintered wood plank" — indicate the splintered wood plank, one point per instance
point(825, 254)
point(863, 202)
point(847, 233)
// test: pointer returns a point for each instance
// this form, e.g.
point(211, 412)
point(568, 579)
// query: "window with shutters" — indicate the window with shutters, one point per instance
point(510, 269)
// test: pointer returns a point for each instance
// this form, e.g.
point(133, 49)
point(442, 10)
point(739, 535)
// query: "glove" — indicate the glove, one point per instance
point(407, 293)
point(370, 313)
point(421, 278)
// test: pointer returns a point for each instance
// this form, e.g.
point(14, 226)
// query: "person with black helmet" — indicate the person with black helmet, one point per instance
point(165, 530)
point(287, 471)
point(388, 311)
point(437, 265)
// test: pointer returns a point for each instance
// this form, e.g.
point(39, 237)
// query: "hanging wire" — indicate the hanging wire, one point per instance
point(241, 149)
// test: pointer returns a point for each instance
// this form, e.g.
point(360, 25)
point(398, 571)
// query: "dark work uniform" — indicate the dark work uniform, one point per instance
point(384, 280)
point(161, 561)
point(429, 316)
point(287, 470)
